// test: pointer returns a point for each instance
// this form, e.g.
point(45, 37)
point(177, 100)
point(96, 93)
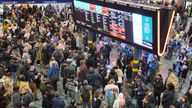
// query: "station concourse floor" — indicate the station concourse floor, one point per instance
point(165, 65)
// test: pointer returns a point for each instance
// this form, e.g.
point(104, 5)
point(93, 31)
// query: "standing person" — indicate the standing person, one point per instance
point(183, 103)
point(153, 67)
point(103, 73)
point(141, 89)
point(158, 88)
point(50, 49)
point(94, 79)
point(119, 102)
point(119, 77)
point(12, 67)
point(184, 70)
point(45, 56)
point(57, 102)
point(38, 49)
point(23, 84)
point(147, 103)
point(86, 94)
point(122, 61)
point(53, 73)
point(58, 54)
point(16, 97)
point(171, 78)
point(2, 94)
point(98, 99)
point(27, 98)
point(109, 92)
point(47, 97)
point(71, 86)
point(82, 74)
point(8, 83)
point(168, 96)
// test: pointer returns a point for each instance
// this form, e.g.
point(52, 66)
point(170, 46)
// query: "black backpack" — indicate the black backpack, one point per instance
point(86, 94)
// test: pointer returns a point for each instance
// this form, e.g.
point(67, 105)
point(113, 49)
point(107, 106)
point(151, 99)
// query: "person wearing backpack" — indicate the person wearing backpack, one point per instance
point(100, 101)
point(53, 73)
point(86, 94)
point(110, 92)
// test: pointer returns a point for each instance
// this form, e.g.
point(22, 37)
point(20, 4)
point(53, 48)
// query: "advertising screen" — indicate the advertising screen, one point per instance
point(127, 25)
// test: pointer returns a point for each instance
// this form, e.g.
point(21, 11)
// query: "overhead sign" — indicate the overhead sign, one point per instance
point(138, 25)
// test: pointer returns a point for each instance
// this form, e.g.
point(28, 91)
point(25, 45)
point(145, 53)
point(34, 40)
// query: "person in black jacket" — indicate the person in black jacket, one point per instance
point(168, 96)
point(94, 79)
point(98, 95)
point(103, 73)
point(12, 67)
point(158, 88)
point(147, 103)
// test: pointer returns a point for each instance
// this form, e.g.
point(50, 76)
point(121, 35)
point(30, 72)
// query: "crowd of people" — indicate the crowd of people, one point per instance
point(40, 47)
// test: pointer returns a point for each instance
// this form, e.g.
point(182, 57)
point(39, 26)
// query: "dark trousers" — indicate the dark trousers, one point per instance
point(64, 85)
point(54, 84)
point(140, 100)
point(158, 98)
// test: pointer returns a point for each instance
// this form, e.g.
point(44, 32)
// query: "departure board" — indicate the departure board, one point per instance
point(125, 25)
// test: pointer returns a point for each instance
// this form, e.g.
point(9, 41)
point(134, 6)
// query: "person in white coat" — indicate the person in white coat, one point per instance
point(119, 102)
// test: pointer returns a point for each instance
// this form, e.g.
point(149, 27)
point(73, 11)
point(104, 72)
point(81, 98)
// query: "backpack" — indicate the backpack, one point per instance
point(104, 103)
point(86, 95)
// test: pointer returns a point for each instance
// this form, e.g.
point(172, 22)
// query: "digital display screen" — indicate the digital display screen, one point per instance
point(125, 25)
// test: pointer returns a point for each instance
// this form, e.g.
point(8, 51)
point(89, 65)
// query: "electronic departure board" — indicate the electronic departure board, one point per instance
point(135, 25)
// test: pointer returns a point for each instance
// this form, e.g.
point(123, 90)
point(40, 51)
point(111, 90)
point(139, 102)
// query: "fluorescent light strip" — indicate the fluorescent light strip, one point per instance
point(168, 33)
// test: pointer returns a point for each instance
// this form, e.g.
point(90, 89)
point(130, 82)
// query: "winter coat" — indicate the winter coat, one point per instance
point(16, 99)
point(8, 84)
point(50, 50)
point(58, 103)
point(12, 67)
point(119, 75)
point(58, 54)
point(23, 86)
point(38, 49)
point(141, 89)
point(172, 78)
point(53, 73)
point(158, 86)
point(45, 57)
point(168, 98)
point(94, 79)
point(27, 99)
